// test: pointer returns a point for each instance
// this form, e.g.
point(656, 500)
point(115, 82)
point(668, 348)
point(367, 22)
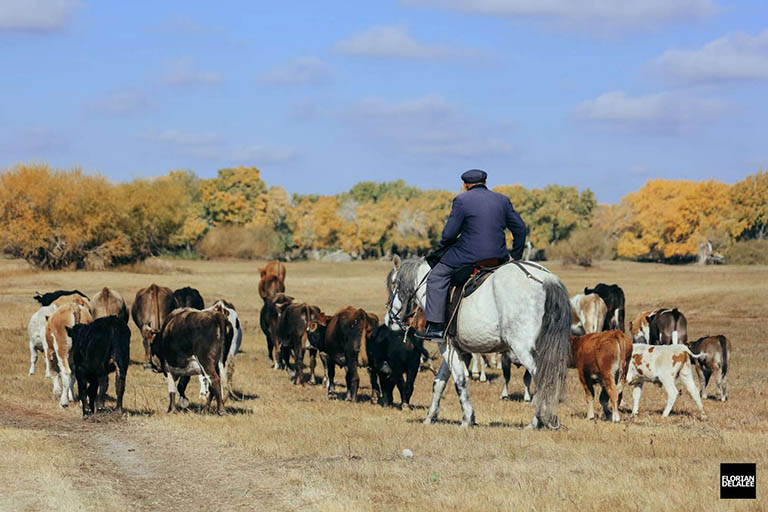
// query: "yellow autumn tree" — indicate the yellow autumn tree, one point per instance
point(234, 196)
point(671, 218)
point(750, 206)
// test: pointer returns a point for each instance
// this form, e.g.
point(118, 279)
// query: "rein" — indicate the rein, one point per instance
point(405, 305)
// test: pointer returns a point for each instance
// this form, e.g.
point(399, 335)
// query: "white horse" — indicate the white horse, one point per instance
point(522, 308)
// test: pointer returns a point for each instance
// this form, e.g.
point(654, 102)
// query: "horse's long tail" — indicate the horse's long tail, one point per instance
point(553, 350)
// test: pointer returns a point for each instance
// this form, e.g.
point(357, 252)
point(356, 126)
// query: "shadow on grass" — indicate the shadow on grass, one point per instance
point(514, 397)
point(241, 395)
point(200, 409)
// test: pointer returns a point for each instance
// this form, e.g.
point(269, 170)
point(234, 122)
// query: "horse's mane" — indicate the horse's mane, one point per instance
point(407, 278)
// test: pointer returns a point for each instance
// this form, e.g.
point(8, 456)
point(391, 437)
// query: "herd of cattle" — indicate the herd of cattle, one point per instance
point(86, 339)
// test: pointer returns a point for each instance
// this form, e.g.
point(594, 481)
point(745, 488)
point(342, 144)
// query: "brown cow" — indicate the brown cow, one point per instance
point(60, 346)
point(107, 303)
point(74, 299)
point(716, 351)
point(274, 268)
point(667, 326)
point(150, 308)
point(342, 338)
point(603, 358)
point(292, 338)
point(639, 328)
point(270, 286)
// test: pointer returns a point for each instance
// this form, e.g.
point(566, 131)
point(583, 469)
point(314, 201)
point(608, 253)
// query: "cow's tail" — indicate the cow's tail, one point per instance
point(724, 348)
point(223, 351)
point(675, 333)
point(156, 298)
point(553, 350)
point(307, 319)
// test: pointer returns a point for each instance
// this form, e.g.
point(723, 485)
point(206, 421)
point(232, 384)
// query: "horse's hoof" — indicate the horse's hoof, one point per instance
point(427, 421)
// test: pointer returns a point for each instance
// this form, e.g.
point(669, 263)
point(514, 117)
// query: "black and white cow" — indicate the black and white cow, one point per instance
point(613, 296)
point(98, 349)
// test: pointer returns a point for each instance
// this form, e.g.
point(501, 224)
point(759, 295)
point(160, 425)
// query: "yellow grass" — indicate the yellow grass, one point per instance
point(285, 447)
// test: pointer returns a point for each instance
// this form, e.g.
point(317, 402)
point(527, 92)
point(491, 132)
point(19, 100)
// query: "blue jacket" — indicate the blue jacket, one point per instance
point(475, 229)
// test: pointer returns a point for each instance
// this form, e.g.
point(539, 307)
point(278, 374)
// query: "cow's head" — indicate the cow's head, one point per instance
point(75, 333)
point(316, 331)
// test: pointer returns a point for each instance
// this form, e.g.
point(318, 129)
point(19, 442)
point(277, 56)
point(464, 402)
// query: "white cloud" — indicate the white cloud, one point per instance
point(428, 106)
point(36, 15)
point(184, 72)
point(179, 138)
point(737, 56)
point(395, 41)
point(300, 71)
point(120, 103)
point(427, 127)
point(665, 108)
point(262, 154)
point(583, 13)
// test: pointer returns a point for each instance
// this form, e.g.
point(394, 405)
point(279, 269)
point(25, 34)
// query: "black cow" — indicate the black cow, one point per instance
point(188, 298)
point(269, 319)
point(46, 299)
point(613, 296)
point(193, 342)
point(392, 354)
point(99, 348)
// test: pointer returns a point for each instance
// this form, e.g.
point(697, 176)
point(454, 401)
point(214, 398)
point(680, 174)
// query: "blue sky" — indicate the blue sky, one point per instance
point(604, 94)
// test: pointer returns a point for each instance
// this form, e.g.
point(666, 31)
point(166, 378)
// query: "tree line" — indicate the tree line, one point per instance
point(68, 219)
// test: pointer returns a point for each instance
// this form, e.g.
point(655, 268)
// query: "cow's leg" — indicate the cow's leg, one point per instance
point(527, 379)
point(270, 350)
point(55, 374)
point(312, 364)
point(82, 386)
point(438, 386)
point(327, 381)
point(67, 383)
point(686, 375)
point(203, 387)
point(331, 371)
point(147, 363)
point(483, 367)
point(93, 393)
point(610, 394)
point(637, 392)
point(410, 380)
point(120, 375)
point(298, 355)
point(387, 387)
point(506, 371)
point(103, 386)
point(589, 393)
point(216, 390)
point(707, 373)
point(32, 357)
point(172, 390)
point(375, 390)
point(230, 375)
point(182, 390)
point(722, 383)
point(47, 360)
point(224, 382)
point(352, 377)
point(671, 389)
point(400, 383)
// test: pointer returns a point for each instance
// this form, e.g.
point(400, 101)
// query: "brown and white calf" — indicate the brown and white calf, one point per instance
point(715, 351)
point(602, 358)
point(590, 310)
point(60, 348)
point(149, 310)
point(193, 342)
point(639, 328)
point(662, 365)
point(109, 303)
point(343, 338)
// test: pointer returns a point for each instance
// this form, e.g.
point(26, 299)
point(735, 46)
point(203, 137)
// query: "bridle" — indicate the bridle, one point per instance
point(405, 305)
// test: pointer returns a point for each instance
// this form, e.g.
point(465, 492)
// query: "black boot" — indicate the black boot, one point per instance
point(434, 331)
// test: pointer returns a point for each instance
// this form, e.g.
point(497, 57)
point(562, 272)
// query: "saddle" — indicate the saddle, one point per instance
point(464, 282)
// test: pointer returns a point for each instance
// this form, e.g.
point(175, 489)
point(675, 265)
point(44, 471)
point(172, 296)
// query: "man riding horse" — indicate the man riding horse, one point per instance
point(473, 235)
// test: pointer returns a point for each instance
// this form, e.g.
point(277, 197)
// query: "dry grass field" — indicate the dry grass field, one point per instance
point(286, 448)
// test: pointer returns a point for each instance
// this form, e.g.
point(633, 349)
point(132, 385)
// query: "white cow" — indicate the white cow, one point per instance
point(591, 311)
point(663, 365)
point(36, 331)
point(234, 348)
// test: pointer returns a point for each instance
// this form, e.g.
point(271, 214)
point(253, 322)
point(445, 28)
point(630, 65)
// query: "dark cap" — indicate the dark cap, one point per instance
point(474, 176)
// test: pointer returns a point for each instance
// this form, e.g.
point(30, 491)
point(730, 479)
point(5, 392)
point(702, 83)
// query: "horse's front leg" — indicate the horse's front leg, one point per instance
point(438, 386)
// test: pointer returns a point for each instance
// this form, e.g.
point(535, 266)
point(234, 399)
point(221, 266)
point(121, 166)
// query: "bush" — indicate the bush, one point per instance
point(245, 242)
point(751, 252)
point(582, 247)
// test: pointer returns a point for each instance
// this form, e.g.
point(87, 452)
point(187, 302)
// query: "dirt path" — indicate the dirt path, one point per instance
point(128, 462)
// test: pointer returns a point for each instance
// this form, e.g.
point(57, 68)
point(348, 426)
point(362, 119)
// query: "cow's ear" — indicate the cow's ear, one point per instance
point(322, 319)
point(397, 263)
point(312, 327)
point(373, 320)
